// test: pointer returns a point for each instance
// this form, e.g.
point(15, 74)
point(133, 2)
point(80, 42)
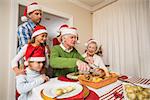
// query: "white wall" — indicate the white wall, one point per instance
point(4, 47)
point(123, 30)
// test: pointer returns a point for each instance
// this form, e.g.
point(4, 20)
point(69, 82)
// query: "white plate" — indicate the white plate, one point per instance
point(73, 76)
point(50, 90)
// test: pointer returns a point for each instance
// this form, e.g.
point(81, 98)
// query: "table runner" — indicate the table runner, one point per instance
point(114, 94)
point(139, 80)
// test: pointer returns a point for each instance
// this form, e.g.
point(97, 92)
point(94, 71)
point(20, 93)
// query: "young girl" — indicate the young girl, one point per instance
point(39, 38)
point(33, 78)
point(92, 58)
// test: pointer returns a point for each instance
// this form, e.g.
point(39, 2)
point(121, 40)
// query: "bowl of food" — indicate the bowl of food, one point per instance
point(135, 92)
point(97, 81)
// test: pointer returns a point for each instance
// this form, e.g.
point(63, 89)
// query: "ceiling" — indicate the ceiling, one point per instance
point(91, 2)
point(92, 5)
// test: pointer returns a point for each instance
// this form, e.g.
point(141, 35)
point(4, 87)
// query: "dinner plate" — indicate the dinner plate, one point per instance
point(73, 76)
point(50, 91)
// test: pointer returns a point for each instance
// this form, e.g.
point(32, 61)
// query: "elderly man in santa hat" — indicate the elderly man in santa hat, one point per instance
point(64, 57)
point(32, 17)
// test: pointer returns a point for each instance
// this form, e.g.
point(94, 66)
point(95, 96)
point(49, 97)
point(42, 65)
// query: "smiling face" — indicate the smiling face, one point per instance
point(36, 66)
point(41, 38)
point(36, 16)
point(91, 48)
point(70, 40)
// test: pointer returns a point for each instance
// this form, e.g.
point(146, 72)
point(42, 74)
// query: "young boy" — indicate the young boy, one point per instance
point(32, 77)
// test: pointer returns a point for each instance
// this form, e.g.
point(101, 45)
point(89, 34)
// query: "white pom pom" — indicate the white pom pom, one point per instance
point(24, 18)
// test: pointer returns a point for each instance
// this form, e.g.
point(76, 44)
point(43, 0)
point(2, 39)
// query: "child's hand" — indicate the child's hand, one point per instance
point(19, 71)
point(45, 78)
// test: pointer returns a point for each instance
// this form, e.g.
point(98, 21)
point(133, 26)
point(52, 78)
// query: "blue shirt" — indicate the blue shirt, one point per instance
point(24, 33)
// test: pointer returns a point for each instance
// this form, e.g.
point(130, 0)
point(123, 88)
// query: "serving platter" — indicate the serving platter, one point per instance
point(135, 92)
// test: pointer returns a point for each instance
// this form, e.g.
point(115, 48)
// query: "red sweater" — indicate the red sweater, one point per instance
point(55, 41)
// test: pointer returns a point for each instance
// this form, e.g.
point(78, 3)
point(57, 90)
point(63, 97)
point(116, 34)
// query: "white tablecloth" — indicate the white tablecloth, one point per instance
point(35, 94)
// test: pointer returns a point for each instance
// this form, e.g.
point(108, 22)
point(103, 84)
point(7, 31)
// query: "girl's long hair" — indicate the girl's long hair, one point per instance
point(33, 41)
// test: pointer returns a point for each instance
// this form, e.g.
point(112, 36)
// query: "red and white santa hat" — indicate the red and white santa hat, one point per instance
point(90, 41)
point(35, 54)
point(69, 30)
point(62, 27)
point(30, 8)
point(39, 29)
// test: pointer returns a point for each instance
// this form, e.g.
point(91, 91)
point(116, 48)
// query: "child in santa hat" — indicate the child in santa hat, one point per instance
point(39, 38)
point(92, 58)
point(32, 77)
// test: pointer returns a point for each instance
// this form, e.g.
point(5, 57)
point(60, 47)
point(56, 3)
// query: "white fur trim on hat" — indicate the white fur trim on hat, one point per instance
point(39, 32)
point(36, 59)
point(86, 44)
point(68, 31)
point(31, 8)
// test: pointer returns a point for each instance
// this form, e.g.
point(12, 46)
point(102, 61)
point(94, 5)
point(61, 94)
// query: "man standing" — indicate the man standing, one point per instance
point(64, 57)
point(32, 17)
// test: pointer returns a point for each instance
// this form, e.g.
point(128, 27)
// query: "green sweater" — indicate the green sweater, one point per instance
point(63, 62)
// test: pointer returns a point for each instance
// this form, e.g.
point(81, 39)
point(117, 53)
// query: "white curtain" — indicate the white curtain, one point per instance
point(123, 29)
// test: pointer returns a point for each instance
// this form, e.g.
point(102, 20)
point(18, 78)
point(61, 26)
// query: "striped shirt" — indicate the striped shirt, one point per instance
point(24, 33)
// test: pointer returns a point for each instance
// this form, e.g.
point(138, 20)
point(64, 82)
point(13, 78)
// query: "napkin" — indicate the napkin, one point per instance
point(64, 78)
point(92, 96)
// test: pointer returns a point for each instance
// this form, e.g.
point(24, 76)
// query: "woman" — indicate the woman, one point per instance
point(93, 59)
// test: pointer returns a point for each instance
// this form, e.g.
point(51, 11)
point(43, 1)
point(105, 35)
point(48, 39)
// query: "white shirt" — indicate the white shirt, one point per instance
point(65, 49)
point(25, 83)
point(97, 60)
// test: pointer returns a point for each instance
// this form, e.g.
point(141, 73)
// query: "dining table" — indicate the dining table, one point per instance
point(113, 91)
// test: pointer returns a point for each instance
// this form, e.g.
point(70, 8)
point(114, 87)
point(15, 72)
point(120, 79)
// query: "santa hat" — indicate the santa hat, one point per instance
point(35, 54)
point(39, 29)
point(30, 8)
point(69, 30)
point(62, 27)
point(90, 41)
